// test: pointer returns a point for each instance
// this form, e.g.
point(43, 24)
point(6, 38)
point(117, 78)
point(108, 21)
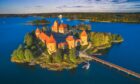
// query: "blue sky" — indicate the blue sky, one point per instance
point(49, 6)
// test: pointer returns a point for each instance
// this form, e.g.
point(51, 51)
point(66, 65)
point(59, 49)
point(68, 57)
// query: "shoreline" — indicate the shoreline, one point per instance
point(54, 66)
point(109, 21)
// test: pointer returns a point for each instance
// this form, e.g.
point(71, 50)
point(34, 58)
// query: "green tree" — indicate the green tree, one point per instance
point(28, 55)
point(43, 21)
point(15, 53)
point(72, 55)
point(119, 38)
point(28, 40)
point(58, 56)
point(77, 35)
point(91, 36)
point(99, 39)
point(66, 57)
point(36, 22)
point(18, 54)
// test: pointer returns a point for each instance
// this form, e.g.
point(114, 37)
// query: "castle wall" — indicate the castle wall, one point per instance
point(51, 47)
point(71, 44)
point(84, 40)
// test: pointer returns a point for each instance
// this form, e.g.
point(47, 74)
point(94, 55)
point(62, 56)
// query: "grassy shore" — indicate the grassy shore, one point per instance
point(54, 66)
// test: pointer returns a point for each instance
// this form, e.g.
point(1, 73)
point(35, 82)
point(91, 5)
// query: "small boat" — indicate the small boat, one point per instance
point(86, 66)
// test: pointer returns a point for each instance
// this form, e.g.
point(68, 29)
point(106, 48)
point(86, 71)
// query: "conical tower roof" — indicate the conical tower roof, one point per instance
point(83, 33)
point(43, 36)
point(52, 39)
point(38, 30)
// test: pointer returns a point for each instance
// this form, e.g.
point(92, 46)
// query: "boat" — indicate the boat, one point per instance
point(86, 66)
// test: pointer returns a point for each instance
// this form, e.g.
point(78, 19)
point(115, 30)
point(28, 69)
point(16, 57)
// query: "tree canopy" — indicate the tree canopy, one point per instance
point(28, 39)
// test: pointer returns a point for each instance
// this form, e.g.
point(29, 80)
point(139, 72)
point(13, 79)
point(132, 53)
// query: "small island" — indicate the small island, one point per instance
point(59, 47)
point(39, 22)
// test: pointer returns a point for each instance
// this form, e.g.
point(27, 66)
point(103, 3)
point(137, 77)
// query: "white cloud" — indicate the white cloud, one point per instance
point(101, 6)
point(76, 6)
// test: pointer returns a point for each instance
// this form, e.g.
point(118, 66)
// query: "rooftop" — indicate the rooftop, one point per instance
point(70, 38)
point(84, 33)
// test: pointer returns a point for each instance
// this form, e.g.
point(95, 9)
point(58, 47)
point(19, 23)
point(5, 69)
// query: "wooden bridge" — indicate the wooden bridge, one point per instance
point(112, 65)
point(117, 67)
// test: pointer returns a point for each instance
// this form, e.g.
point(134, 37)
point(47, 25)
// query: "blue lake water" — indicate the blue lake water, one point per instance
point(126, 54)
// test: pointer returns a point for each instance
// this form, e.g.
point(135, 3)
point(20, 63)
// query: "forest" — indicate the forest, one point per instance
point(96, 17)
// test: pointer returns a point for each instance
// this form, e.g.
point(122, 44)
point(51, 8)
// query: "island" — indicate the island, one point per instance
point(59, 47)
point(39, 22)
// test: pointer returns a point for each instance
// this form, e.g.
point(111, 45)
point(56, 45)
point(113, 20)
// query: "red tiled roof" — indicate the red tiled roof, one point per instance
point(70, 38)
point(65, 25)
point(51, 39)
point(54, 25)
point(37, 30)
point(62, 26)
point(83, 33)
point(55, 22)
point(43, 36)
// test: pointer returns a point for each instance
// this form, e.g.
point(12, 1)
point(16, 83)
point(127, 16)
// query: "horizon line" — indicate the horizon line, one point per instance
point(63, 12)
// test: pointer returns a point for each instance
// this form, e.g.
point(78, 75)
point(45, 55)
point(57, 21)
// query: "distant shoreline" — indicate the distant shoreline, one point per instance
point(95, 17)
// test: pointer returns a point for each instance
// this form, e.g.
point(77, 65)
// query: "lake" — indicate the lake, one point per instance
point(126, 54)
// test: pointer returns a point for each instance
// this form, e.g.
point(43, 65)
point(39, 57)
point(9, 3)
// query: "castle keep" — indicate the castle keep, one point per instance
point(59, 28)
point(55, 26)
point(83, 37)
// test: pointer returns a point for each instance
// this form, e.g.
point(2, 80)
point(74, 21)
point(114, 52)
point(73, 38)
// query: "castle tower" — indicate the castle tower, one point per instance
point(51, 44)
point(37, 32)
point(71, 42)
point(83, 37)
point(62, 28)
point(55, 26)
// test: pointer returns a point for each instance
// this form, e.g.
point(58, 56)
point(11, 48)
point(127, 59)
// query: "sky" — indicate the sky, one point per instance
point(51, 6)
